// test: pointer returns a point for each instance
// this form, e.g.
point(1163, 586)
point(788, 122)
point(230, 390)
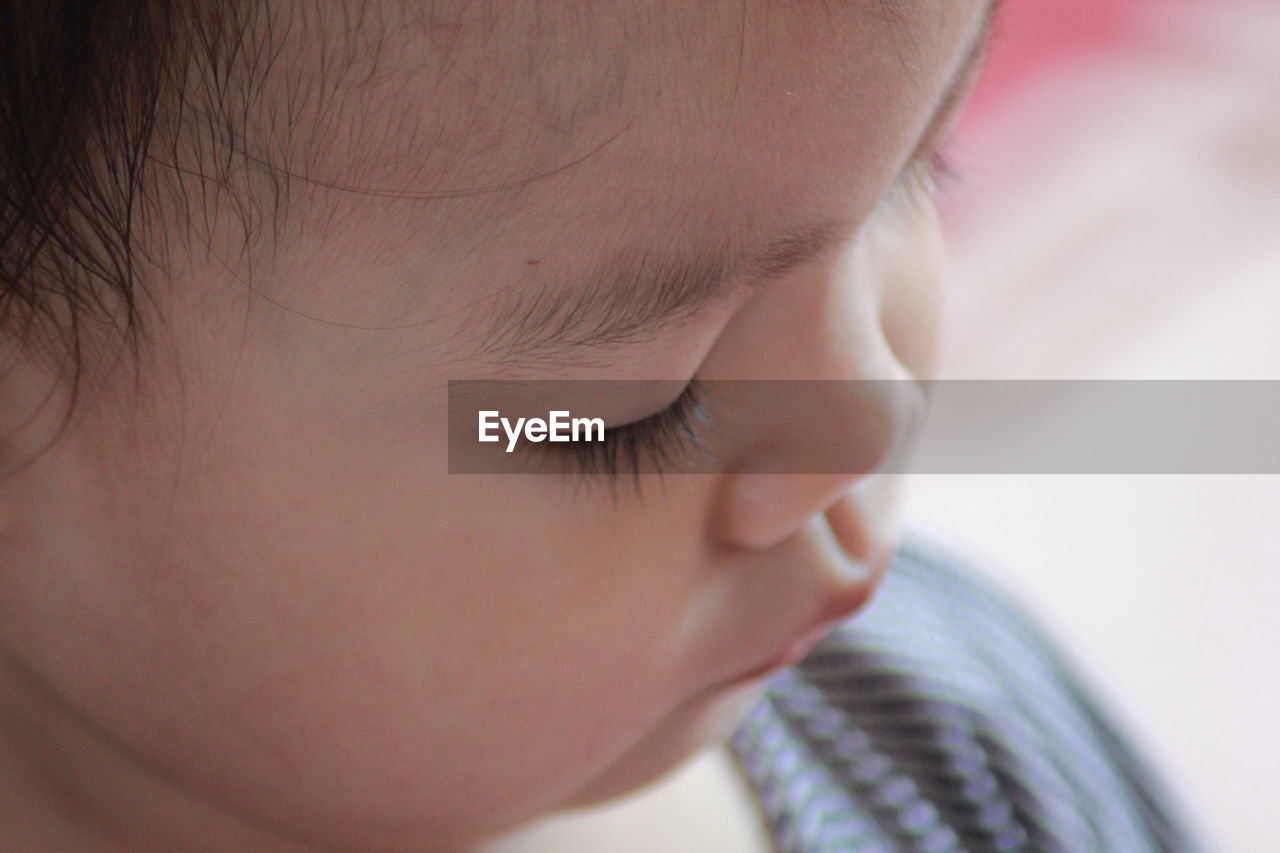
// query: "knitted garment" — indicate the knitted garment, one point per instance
point(939, 719)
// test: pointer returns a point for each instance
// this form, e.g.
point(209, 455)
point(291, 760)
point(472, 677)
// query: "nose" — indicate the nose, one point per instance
point(820, 439)
point(838, 402)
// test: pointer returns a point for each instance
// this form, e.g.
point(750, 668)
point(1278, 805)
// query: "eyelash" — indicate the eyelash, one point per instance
point(928, 175)
point(667, 439)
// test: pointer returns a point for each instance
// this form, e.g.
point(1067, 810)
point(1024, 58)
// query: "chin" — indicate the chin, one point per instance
point(704, 720)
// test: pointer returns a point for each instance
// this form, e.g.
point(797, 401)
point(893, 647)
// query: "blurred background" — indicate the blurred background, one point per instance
point(1119, 218)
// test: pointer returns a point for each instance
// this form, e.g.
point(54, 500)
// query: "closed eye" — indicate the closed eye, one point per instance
point(668, 440)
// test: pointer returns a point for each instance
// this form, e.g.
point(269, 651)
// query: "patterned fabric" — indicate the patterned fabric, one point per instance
point(939, 720)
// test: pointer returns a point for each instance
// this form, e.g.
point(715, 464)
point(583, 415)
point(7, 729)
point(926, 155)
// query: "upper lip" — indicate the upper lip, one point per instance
point(794, 651)
point(839, 592)
point(839, 602)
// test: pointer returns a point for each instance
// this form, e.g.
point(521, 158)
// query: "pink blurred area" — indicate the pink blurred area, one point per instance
point(1031, 35)
point(1121, 176)
point(1118, 217)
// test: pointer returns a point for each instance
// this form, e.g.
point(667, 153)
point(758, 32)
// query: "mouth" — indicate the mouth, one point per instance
point(842, 593)
point(796, 651)
point(839, 606)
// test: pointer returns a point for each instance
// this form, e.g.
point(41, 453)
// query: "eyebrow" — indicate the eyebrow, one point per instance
point(631, 298)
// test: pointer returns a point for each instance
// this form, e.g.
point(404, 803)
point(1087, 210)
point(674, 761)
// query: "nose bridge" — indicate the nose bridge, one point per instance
point(817, 438)
point(840, 402)
point(840, 427)
point(837, 406)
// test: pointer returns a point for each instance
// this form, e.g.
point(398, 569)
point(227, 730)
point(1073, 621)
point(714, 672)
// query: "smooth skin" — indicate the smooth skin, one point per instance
point(244, 606)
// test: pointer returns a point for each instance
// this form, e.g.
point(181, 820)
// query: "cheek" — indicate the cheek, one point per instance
point(351, 629)
point(417, 647)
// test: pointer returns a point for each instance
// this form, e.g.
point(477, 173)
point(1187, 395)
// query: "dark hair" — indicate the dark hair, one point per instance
point(121, 121)
point(114, 115)
point(82, 92)
point(80, 84)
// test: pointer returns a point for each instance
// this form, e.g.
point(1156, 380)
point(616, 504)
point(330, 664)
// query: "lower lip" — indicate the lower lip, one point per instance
point(793, 654)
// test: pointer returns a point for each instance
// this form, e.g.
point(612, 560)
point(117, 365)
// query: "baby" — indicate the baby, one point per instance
point(244, 604)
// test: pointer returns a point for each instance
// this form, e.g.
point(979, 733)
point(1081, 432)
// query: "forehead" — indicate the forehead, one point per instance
point(638, 109)
point(510, 152)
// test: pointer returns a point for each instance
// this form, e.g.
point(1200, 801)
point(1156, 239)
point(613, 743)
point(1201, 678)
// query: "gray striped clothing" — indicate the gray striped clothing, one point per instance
point(940, 719)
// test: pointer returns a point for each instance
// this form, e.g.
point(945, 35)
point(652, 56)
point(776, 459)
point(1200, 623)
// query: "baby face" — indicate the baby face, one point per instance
point(253, 579)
